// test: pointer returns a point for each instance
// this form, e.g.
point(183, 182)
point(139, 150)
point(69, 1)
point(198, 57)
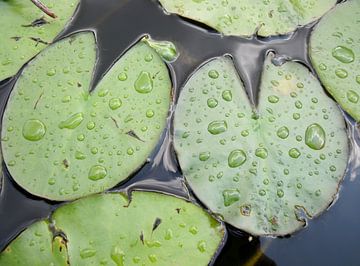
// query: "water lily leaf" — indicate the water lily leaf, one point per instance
point(26, 30)
point(35, 246)
point(60, 141)
point(260, 169)
point(246, 17)
point(335, 54)
point(152, 228)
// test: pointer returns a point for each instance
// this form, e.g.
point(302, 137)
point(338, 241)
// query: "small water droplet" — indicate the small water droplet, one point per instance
point(217, 127)
point(294, 153)
point(212, 102)
point(51, 181)
point(322, 67)
point(72, 122)
point(79, 155)
point(341, 73)
point(213, 74)
point(201, 246)
point(33, 130)
point(122, 76)
point(273, 99)
point(227, 95)
point(236, 158)
point(97, 172)
point(144, 83)
point(87, 253)
point(230, 197)
point(261, 153)
point(343, 54)
point(115, 103)
point(283, 132)
point(51, 72)
point(352, 96)
point(315, 137)
point(168, 234)
point(204, 156)
point(117, 255)
point(152, 258)
point(280, 193)
point(90, 125)
point(193, 230)
point(150, 113)
point(262, 192)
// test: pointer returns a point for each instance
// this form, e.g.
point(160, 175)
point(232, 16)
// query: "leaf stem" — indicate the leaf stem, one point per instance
point(43, 8)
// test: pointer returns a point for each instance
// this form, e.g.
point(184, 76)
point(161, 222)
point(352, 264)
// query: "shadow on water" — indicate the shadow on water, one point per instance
point(328, 240)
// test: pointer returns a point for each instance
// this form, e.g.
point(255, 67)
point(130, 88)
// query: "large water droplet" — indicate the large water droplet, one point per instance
point(315, 137)
point(352, 96)
point(343, 54)
point(227, 95)
point(217, 127)
point(230, 196)
point(204, 156)
point(283, 132)
point(33, 130)
point(341, 73)
point(144, 83)
point(213, 74)
point(97, 172)
point(167, 50)
point(72, 122)
point(236, 158)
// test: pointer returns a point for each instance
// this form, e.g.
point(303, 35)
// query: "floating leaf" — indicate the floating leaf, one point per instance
point(154, 228)
point(335, 54)
point(35, 246)
point(246, 17)
point(61, 142)
point(260, 168)
point(26, 30)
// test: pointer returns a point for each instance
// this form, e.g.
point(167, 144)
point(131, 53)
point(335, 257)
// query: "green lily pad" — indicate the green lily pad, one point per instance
point(61, 142)
point(335, 54)
point(246, 17)
point(35, 246)
point(152, 229)
point(26, 30)
point(260, 169)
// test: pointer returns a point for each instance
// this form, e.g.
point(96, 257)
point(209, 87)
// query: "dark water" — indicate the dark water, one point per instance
point(331, 239)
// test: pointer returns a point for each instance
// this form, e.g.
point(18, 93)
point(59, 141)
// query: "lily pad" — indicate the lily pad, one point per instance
point(26, 30)
point(61, 142)
point(335, 54)
point(152, 229)
point(246, 17)
point(263, 168)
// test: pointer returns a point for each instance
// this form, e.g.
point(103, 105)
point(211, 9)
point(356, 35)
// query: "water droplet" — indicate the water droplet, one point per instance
point(118, 256)
point(201, 246)
point(193, 230)
point(33, 130)
point(341, 73)
point(90, 125)
point(103, 92)
point(144, 83)
point(51, 72)
point(261, 153)
point(11, 163)
point(79, 155)
point(152, 258)
point(213, 74)
point(122, 76)
point(167, 50)
point(87, 253)
point(352, 96)
point(315, 137)
point(130, 151)
point(149, 113)
point(230, 197)
point(283, 132)
point(227, 95)
point(51, 181)
point(298, 105)
point(204, 156)
point(115, 103)
point(81, 137)
point(273, 99)
point(280, 193)
point(322, 67)
point(245, 210)
point(318, 192)
point(217, 127)
point(294, 153)
point(168, 234)
point(343, 54)
point(212, 102)
point(358, 79)
point(97, 172)
point(332, 168)
point(236, 158)
point(262, 192)
point(72, 122)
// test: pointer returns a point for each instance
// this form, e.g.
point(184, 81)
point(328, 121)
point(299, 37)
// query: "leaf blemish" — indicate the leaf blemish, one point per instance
point(16, 38)
point(115, 122)
point(131, 133)
point(66, 163)
point(36, 23)
point(37, 101)
point(156, 224)
point(142, 237)
point(38, 40)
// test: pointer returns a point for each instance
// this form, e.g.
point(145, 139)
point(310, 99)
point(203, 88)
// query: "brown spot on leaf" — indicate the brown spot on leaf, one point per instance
point(66, 163)
point(37, 23)
point(131, 133)
point(156, 224)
